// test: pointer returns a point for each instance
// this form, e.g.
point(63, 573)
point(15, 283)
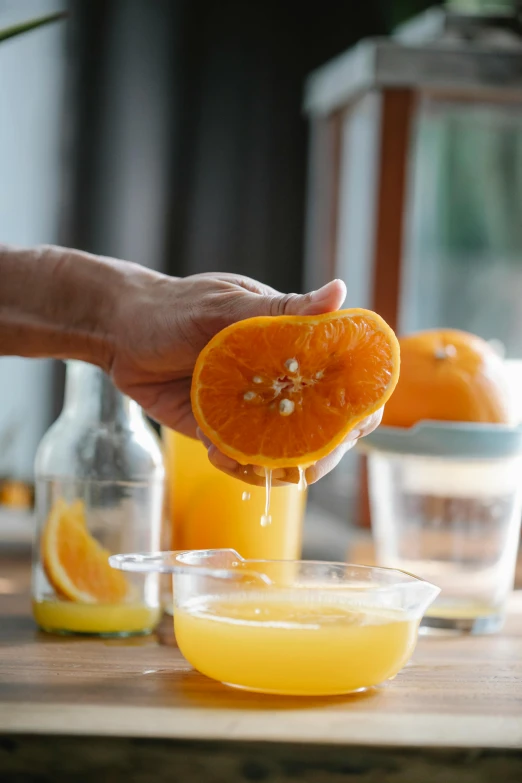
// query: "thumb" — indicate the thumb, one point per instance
point(325, 300)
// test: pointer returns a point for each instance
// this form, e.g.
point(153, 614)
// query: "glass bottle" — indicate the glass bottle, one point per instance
point(99, 478)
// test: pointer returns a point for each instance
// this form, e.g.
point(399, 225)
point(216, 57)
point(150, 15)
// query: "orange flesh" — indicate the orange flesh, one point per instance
point(75, 563)
point(286, 391)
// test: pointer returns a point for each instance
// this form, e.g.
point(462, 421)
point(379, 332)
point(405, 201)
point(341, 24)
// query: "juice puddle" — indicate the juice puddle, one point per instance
point(284, 643)
point(71, 617)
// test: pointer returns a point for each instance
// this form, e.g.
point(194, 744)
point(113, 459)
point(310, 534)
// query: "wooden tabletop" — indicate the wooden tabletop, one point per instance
point(458, 692)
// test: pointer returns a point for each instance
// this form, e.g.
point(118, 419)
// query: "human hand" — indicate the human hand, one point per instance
point(162, 324)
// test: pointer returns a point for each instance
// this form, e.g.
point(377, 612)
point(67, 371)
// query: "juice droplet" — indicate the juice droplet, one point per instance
point(302, 480)
point(245, 496)
point(266, 519)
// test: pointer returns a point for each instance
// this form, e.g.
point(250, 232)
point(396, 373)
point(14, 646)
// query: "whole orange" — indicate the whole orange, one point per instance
point(448, 375)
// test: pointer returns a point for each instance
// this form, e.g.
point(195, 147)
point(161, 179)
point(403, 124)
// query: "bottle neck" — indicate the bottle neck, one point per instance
point(91, 396)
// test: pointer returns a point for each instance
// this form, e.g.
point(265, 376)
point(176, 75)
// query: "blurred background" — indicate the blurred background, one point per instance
point(178, 134)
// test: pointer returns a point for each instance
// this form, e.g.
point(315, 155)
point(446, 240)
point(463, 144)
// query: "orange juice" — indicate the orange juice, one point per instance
point(131, 618)
point(210, 510)
point(462, 610)
point(283, 643)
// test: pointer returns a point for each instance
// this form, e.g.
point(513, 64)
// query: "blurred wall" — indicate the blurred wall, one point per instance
point(191, 144)
point(31, 83)
point(121, 83)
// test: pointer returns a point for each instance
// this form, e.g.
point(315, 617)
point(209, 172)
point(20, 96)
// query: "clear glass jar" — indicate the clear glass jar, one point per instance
point(99, 478)
point(454, 522)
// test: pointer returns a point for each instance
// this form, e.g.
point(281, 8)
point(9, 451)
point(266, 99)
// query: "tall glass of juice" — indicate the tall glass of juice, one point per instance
point(210, 510)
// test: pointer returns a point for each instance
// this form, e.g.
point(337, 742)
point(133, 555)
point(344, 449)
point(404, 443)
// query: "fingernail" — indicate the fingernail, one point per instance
point(203, 438)
point(228, 462)
point(221, 460)
point(323, 294)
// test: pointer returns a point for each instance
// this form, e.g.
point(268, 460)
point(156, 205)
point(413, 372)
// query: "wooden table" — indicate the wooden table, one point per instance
point(78, 710)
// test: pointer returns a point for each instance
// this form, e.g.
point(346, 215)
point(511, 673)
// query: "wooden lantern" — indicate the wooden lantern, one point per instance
point(364, 109)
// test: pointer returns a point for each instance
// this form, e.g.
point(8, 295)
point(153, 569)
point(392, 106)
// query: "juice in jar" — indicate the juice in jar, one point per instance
point(71, 617)
point(210, 510)
point(282, 642)
point(462, 610)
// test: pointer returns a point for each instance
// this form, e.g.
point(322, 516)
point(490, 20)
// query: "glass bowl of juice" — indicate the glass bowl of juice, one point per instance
point(299, 628)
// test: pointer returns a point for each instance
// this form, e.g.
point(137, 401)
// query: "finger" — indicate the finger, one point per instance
point(250, 474)
point(168, 403)
point(200, 435)
point(183, 422)
point(328, 463)
point(325, 300)
point(248, 283)
point(368, 425)
point(324, 466)
point(255, 475)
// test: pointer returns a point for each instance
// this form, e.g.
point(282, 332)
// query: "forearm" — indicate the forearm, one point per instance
point(59, 303)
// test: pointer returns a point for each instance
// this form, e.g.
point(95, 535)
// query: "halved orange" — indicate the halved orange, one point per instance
point(75, 563)
point(285, 391)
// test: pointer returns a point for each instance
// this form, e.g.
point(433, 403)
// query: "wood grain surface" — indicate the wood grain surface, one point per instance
point(458, 692)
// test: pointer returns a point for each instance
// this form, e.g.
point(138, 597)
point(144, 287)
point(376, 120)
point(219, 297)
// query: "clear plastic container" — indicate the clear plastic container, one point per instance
point(99, 489)
point(289, 627)
point(454, 520)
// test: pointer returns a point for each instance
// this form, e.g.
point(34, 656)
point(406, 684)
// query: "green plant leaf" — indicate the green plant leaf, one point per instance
point(25, 27)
